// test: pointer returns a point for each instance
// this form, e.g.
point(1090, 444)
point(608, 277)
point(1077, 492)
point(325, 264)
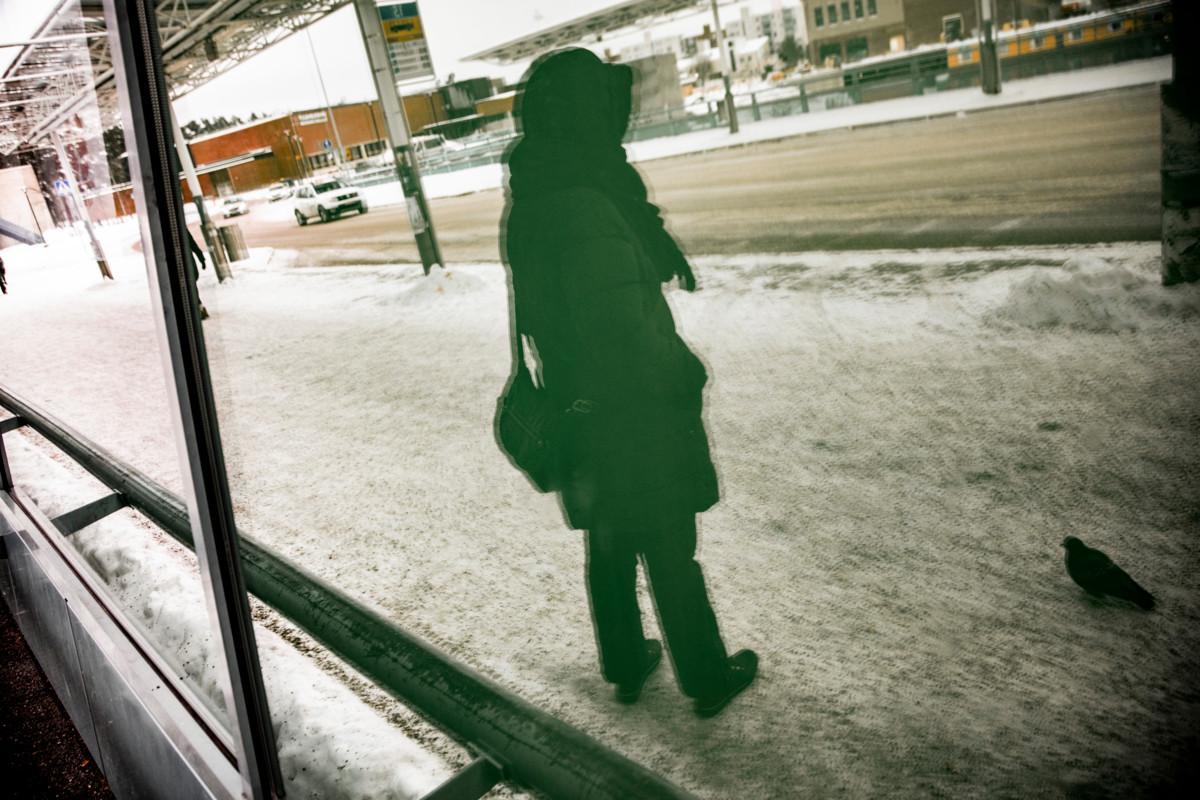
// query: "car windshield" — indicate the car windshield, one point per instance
point(328, 186)
point(229, 201)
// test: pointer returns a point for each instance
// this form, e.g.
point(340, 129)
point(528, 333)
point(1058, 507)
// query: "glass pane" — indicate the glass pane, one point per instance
point(80, 333)
point(916, 388)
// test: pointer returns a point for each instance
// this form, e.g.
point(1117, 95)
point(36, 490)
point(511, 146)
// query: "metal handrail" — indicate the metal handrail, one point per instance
point(533, 747)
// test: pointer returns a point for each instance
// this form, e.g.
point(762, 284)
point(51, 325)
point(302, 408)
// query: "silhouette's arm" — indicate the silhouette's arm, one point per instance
point(628, 357)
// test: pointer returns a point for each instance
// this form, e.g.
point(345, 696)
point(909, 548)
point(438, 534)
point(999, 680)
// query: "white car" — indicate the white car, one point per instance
point(278, 191)
point(326, 198)
point(233, 207)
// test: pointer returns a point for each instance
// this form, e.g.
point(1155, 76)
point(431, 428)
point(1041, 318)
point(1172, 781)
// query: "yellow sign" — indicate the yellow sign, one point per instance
point(406, 29)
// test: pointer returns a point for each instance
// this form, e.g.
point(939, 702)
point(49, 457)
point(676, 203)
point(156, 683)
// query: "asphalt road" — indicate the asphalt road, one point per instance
point(1068, 171)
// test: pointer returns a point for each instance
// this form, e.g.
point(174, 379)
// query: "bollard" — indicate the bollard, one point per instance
point(233, 242)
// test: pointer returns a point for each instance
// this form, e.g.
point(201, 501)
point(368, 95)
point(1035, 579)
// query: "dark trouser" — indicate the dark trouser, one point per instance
point(677, 584)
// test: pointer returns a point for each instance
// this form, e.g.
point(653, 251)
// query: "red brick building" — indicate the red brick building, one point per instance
point(293, 146)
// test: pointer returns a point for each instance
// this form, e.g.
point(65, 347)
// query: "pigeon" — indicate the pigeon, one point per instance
point(1096, 573)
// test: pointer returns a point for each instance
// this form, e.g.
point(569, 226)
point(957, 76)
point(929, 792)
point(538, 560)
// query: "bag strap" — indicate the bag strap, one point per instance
point(520, 336)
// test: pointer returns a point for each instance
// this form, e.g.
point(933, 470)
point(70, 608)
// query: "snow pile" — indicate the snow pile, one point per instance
point(1089, 293)
point(331, 744)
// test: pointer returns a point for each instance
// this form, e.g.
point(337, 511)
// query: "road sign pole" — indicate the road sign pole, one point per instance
point(207, 229)
point(80, 206)
point(397, 131)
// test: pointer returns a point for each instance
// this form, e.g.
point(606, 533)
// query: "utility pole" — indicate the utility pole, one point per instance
point(397, 131)
point(80, 207)
point(337, 136)
point(989, 57)
point(208, 230)
point(727, 67)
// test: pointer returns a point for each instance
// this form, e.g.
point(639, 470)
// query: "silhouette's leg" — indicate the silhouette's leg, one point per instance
point(612, 589)
point(687, 618)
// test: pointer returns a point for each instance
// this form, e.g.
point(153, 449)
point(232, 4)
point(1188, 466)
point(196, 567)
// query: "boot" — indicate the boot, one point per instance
point(742, 666)
point(628, 693)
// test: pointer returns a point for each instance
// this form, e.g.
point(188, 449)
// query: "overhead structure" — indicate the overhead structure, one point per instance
point(588, 28)
point(53, 78)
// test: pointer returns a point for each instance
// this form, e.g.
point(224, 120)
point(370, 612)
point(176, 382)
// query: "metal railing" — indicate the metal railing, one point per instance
point(516, 741)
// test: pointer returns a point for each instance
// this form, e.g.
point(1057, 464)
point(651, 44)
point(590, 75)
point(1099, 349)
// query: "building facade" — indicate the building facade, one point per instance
point(848, 30)
point(295, 146)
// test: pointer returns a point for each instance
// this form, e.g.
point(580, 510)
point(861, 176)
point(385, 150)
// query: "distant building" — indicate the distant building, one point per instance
point(296, 145)
point(844, 31)
point(780, 23)
point(658, 88)
point(849, 30)
point(752, 56)
point(678, 46)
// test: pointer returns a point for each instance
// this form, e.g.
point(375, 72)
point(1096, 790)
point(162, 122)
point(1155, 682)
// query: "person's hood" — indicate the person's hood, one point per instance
point(572, 96)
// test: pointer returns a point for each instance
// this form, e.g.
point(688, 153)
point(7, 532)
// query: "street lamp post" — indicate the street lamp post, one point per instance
point(337, 136)
point(989, 58)
point(726, 68)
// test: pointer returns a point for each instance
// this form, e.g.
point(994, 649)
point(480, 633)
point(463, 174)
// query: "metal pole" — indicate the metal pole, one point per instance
point(337, 136)
point(726, 68)
point(989, 57)
point(33, 212)
point(207, 229)
point(80, 207)
point(397, 130)
point(146, 113)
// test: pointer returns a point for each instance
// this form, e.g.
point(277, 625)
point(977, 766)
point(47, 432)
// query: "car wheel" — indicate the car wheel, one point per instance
point(362, 208)
point(300, 218)
point(325, 215)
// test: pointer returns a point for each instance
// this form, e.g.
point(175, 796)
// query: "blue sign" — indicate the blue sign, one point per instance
point(61, 186)
point(328, 145)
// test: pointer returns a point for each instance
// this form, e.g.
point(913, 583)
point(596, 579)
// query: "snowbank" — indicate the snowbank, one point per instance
point(331, 744)
point(1091, 294)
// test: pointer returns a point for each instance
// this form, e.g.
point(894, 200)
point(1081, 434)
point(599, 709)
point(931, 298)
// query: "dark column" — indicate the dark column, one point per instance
point(1181, 152)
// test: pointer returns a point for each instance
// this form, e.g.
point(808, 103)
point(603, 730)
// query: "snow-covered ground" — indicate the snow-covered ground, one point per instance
point(903, 439)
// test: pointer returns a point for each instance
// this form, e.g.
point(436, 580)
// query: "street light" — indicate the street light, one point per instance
point(726, 68)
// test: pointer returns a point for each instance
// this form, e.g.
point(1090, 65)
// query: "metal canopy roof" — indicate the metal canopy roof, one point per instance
point(589, 26)
point(53, 79)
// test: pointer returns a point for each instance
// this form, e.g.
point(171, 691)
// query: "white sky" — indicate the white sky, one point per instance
point(283, 77)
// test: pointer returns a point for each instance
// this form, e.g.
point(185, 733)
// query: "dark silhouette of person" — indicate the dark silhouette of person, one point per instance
point(587, 256)
point(197, 255)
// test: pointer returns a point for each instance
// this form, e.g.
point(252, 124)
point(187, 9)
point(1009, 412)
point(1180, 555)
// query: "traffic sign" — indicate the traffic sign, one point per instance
point(61, 187)
point(328, 145)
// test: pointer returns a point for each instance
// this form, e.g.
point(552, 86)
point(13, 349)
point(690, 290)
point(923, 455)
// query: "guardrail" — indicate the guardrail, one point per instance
point(517, 741)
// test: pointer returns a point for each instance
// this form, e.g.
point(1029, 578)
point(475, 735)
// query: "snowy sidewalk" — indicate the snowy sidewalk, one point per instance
point(903, 438)
point(956, 101)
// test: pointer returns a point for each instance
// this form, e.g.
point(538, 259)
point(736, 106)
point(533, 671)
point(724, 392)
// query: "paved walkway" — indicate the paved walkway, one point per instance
point(41, 753)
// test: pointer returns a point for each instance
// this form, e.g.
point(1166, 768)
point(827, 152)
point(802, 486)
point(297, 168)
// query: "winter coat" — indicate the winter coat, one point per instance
point(589, 295)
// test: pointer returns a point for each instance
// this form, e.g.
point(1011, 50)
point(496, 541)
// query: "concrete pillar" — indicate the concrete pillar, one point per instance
point(1181, 152)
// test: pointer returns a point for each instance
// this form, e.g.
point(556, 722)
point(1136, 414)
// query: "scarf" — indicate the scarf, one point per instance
point(573, 111)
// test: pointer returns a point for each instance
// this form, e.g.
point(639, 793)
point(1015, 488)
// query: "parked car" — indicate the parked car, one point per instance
point(326, 198)
point(278, 191)
point(234, 207)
